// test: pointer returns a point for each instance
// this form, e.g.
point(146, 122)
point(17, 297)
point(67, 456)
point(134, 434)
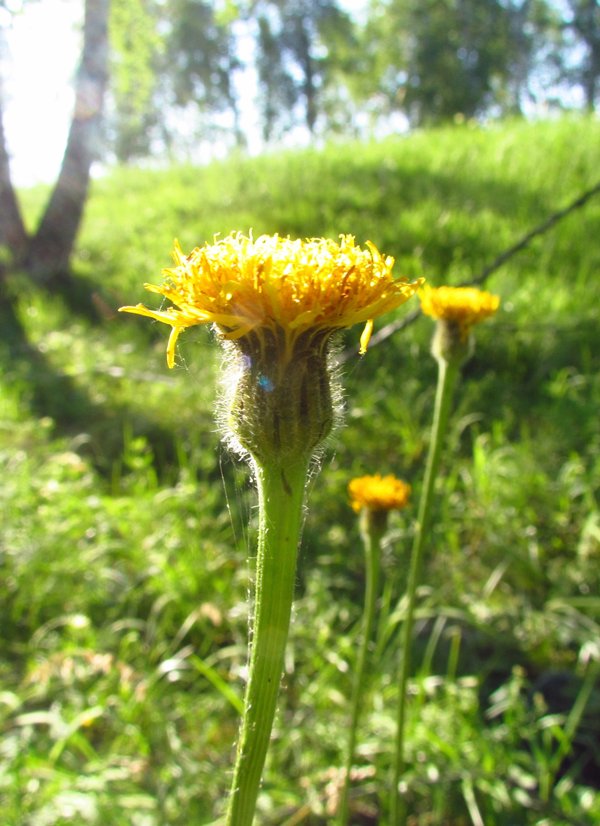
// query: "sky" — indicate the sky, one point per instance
point(41, 55)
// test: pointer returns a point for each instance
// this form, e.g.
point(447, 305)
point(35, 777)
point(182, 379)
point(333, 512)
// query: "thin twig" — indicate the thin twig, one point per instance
point(401, 323)
point(539, 230)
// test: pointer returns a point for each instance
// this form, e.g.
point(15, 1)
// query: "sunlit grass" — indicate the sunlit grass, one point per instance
point(123, 597)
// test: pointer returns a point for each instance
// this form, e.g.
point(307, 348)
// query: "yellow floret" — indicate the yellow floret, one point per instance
point(378, 493)
point(243, 285)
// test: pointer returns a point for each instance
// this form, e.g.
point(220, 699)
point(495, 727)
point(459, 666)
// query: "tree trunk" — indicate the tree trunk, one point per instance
point(592, 79)
point(52, 245)
point(586, 23)
point(308, 82)
point(13, 237)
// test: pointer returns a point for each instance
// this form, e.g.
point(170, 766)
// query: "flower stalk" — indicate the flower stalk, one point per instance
point(280, 411)
point(280, 497)
point(447, 375)
point(372, 524)
point(372, 497)
point(457, 310)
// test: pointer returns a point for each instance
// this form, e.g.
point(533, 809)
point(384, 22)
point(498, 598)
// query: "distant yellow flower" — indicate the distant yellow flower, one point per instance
point(289, 287)
point(463, 306)
point(378, 493)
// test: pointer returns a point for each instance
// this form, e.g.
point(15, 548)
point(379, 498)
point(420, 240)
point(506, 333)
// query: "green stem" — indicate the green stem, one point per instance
point(372, 532)
point(280, 497)
point(447, 374)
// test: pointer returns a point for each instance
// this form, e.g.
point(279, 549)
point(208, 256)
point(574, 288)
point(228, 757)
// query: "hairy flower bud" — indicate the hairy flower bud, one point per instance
point(457, 310)
point(279, 411)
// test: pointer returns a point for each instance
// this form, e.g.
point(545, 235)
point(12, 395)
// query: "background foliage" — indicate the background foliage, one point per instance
point(185, 71)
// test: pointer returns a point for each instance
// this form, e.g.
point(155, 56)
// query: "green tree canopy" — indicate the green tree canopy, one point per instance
point(434, 59)
point(173, 67)
point(302, 51)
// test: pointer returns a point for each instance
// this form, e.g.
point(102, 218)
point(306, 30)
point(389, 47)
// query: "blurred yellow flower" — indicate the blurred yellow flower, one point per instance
point(378, 493)
point(289, 287)
point(463, 306)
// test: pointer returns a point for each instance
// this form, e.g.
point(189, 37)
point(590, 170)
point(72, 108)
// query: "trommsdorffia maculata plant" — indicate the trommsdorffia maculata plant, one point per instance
point(456, 311)
point(372, 498)
point(276, 304)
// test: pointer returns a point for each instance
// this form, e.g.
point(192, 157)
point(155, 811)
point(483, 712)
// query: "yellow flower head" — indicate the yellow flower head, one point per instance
point(246, 285)
point(378, 493)
point(463, 306)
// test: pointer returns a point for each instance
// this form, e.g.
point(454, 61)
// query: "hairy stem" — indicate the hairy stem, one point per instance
point(281, 497)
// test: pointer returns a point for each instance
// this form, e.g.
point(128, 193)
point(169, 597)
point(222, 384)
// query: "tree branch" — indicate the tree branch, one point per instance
point(13, 234)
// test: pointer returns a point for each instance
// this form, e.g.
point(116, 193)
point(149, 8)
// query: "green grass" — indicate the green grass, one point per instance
point(126, 527)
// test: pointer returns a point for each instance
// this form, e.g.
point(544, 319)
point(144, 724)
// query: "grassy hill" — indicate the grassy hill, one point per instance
point(126, 526)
